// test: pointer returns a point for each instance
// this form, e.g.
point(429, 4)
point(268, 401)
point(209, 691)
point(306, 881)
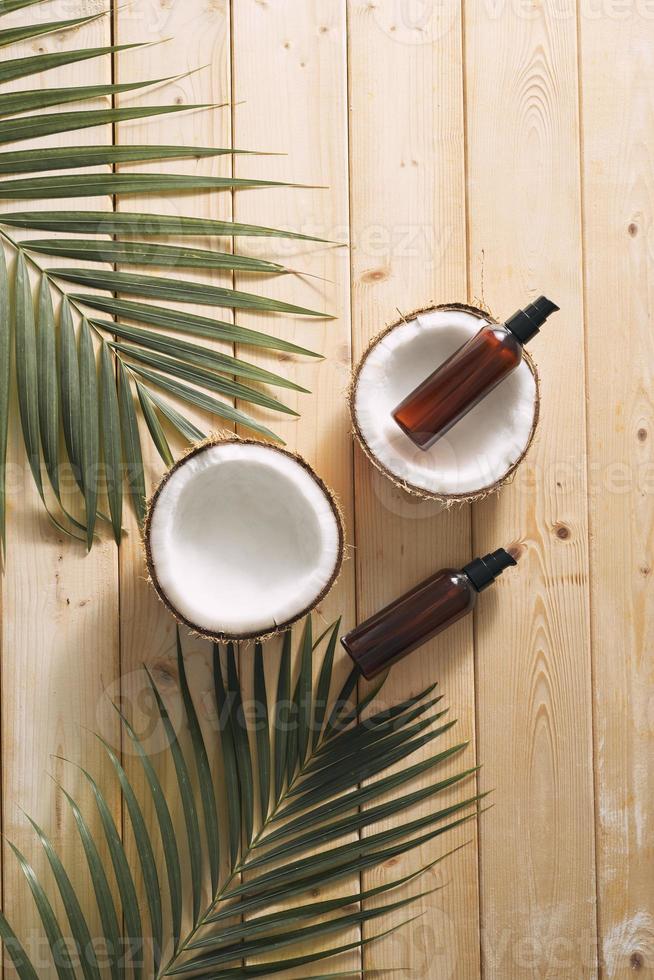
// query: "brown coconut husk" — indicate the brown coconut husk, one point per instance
point(216, 439)
point(415, 491)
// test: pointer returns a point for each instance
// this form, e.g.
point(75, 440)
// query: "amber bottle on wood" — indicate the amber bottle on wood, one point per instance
point(426, 610)
point(466, 377)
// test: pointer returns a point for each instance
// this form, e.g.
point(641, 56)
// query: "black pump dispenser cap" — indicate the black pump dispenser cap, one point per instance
point(525, 323)
point(482, 572)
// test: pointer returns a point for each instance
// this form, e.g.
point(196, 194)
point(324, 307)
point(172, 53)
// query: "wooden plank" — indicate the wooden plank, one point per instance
point(532, 634)
point(618, 119)
point(60, 623)
point(409, 250)
point(290, 94)
point(199, 38)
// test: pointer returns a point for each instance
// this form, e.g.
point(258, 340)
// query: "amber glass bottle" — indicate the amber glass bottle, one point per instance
point(416, 617)
point(469, 375)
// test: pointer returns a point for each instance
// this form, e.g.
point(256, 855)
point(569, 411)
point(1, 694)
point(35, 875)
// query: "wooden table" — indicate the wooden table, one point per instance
point(483, 153)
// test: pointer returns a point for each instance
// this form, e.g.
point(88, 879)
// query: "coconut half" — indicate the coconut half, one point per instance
point(482, 451)
point(242, 539)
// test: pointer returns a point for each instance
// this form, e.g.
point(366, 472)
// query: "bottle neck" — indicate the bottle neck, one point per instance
point(526, 323)
point(482, 572)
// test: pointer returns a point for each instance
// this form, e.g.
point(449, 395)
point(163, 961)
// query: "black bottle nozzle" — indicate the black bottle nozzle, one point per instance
point(525, 323)
point(482, 572)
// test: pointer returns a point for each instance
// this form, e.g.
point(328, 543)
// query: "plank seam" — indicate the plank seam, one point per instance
point(350, 294)
point(584, 318)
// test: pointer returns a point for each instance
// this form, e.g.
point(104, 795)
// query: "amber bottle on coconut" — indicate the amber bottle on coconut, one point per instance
point(470, 374)
point(422, 613)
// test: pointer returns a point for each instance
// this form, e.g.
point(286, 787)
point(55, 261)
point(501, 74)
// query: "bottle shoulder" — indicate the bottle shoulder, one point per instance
point(503, 337)
point(455, 581)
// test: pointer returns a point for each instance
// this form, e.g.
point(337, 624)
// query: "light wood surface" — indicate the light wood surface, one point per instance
point(466, 152)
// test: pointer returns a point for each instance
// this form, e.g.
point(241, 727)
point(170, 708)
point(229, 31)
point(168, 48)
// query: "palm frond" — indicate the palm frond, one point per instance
point(11, 35)
point(144, 253)
point(137, 223)
point(7, 6)
point(240, 860)
point(37, 98)
point(81, 371)
point(189, 323)
point(35, 64)
point(69, 157)
point(32, 127)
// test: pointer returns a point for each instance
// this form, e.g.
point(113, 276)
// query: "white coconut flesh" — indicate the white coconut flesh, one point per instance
point(480, 450)
point(242, 538)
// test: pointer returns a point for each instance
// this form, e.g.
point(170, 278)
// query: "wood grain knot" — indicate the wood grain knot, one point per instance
point(636, 961)
point(633, 229)
point(642, 434)
point(562, 531)
point(375, 275)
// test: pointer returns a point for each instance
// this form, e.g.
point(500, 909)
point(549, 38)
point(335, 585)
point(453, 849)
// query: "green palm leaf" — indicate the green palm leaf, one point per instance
point(198, 375)
point(188, 801)
point(55, 937)
point(6, 6)
point(132, 452)
point(48, 395)
point(79, 927)
point(26, 101)
point(60, 380)
point(29, 127)
point(178, 290)
point(195, 354)
point(203, 769)
point(34, 64)
point(26, 369)
point(145, 851)
point(282, 722)
point(206, 402)
point(241, 743)
point(189, 323)
point(71, 405)
point(133, 939)
point(132, 223)
point(103, 896)
point(324, 682)
point(143, 253)
point(19, 957)
point(11, 35)
point(69, 157)
point(262, 731)
point(154, 425)
point(305, 694)
point(295, 914)
point(259, 947)
point(166, 831)
point(229, 759)
point(187, 429)
point(282, 861)
point(98, 185)
point(111, 440)
point(89, 427)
